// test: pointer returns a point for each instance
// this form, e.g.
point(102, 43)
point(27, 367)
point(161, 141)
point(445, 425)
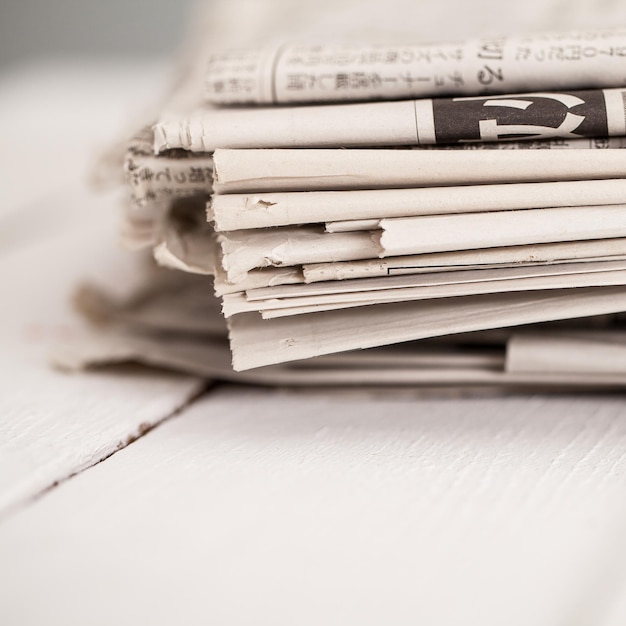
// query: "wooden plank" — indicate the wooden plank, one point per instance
point(263, 507)
point(53, 425)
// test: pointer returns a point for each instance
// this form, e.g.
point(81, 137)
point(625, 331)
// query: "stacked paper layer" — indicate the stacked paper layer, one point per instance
point(370, 267)
point(348, 196)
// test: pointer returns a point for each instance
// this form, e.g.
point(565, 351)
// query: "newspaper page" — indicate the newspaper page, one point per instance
point(434, 278)
point(188, 244)
point(243, 251)
point(600, 249)
point(263, 210)
point(181, 329)
point(264, 170)
point(299, 306)
point(347, 71)
point(599, 352)
point(442, 233)
point(256, 342)
point(152, 180)
point(273, 303)
point(254, 279)
point(419, 372)
point(349, 226)
point(535, 115)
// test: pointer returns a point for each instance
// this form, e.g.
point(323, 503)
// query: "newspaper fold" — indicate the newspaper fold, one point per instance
point(263, 210)
point(433, 278)
point(601, 249)
point(537, 115)
point(253, 171)
point(299, 306)
point(256, 342)
point(441, 233)
point(243, 251)
point(280, 302)
point(328, 72)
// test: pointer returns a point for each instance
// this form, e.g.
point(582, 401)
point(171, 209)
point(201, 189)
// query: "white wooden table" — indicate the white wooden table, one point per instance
point(131, 496)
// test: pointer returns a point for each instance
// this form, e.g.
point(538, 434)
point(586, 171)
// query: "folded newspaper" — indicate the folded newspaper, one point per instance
point(396, 212)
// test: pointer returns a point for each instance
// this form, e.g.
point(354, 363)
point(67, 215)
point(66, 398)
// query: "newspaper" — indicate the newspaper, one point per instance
point(166, 323)
point(300, 306)
point(434, 278)
point(350, 226)
point(206, 359)
point(254, 171)
point(244, 250)
point(330, 72)
point(535, 115)
point(188, 243)
point(568, 352)
point(274, 300)
point(157, 182)
point(425, 287)
point(441, 233)
point(255, 279)
point(151, 179)
point(483, 258)
point(263, 210)
point(453, 213)
point(256, 342)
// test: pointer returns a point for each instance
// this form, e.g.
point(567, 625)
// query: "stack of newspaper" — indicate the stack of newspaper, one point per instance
point(465, 201)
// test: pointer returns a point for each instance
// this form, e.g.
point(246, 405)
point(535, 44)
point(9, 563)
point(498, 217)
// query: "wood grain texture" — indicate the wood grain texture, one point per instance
point(52, 424)
point(269, 508)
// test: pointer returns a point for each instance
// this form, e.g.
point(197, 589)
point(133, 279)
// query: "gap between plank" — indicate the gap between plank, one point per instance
point(142, 430)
